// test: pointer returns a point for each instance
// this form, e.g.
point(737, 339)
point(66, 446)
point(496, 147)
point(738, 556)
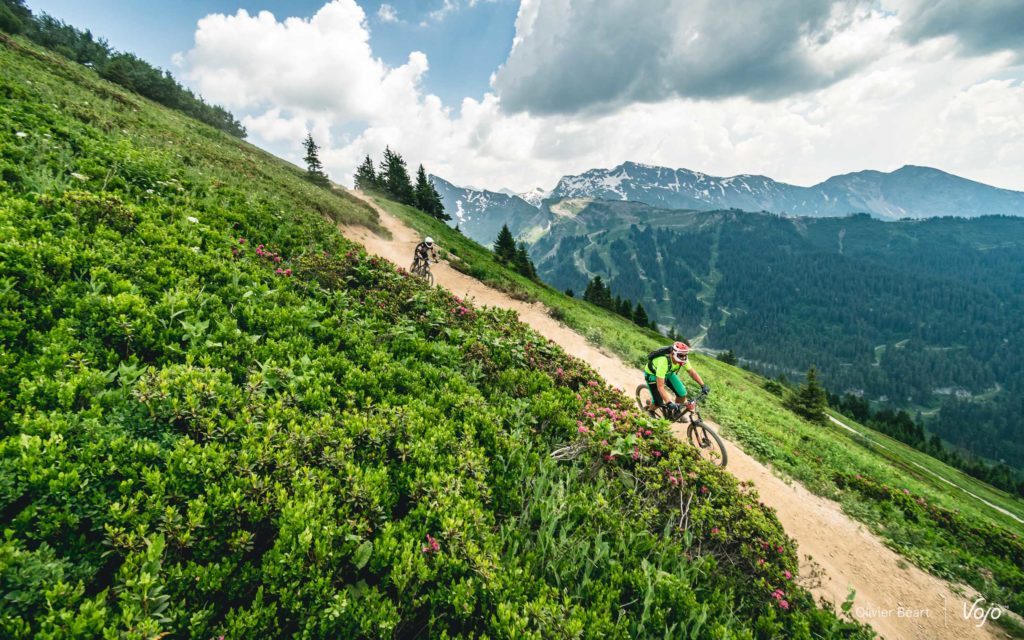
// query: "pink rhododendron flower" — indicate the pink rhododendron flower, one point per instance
point(636, 453)
point(714, 530)
point(432, 546)
point(787, 574)
point(277, 258)
point(704, 490)
point(241, 241)
point(656, 454)
point(784, 604)
point(583, 430)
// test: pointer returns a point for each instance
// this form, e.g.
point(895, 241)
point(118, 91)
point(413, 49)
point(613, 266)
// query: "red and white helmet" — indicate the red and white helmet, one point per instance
point(680, 350)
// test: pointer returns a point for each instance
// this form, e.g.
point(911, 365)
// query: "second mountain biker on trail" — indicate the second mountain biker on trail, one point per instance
point(662, 366)
point(425, 251)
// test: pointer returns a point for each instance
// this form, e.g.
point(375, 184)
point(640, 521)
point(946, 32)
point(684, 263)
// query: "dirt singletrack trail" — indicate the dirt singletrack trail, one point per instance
point(896, 598)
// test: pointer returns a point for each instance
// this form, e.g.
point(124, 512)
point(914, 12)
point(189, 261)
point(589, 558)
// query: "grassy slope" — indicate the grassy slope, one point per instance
point(193, 444)
point(821, 457)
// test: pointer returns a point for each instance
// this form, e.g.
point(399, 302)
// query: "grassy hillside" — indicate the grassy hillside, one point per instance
point(218, 417)
point(938, 527)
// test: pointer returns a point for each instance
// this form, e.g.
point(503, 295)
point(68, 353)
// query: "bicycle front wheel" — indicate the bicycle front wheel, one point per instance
point(428, 277)
point(708, 443)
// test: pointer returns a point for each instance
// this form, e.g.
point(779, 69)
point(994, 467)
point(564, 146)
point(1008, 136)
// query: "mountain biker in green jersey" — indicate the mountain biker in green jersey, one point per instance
point(662, 366)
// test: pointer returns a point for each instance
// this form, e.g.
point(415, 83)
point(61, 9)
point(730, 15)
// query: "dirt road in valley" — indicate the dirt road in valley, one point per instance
point(896, 598)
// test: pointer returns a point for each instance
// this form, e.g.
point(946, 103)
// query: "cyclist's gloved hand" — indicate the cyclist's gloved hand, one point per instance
point(672, 407)
point(705, 389)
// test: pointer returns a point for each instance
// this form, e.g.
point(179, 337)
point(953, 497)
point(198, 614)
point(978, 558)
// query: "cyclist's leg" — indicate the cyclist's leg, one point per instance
point(677, 386)
point(652, 386)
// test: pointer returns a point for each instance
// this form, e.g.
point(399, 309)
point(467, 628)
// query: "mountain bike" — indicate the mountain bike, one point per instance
point(421, 268)
point(698, 434)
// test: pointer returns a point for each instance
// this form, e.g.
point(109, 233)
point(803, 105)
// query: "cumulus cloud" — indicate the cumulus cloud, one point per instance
point(570, 55)
point(322, 65)
point(980, 27)
point(387, 13)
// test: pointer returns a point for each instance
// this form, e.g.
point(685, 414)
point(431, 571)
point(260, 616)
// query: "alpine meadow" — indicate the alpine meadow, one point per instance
point(230, 408)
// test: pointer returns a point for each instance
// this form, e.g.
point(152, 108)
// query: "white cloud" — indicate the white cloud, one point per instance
point(323, 65)
point(387, 13)
point(909, 103)
point(572, 55)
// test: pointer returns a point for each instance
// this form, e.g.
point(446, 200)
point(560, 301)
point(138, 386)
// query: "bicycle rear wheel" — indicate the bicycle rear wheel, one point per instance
point(707, 443)
point(645, 400)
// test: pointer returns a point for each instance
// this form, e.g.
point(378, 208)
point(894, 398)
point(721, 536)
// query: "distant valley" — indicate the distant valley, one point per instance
point(919, 313)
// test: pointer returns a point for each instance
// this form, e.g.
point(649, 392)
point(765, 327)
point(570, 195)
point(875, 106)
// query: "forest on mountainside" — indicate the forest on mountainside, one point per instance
point(918, 315)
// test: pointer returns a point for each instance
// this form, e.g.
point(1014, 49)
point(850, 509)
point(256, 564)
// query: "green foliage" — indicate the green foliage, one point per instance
point(426, 197)
point(505, 245)
point(394, 178)
point(218, 417)
point(728, 357)
point(314, 168)
point(125, 69)
point(809, 400)
point(366, 176)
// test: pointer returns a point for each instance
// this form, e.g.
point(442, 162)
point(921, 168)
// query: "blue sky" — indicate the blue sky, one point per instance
point(799, 90)
point(464, 46)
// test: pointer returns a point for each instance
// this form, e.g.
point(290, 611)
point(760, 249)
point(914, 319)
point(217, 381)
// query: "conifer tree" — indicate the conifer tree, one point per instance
point(598, 293)
point(314, 168)
point(523, 263)
point(428, 200)
point(394, 178)
point(640, 316)
point(728, 357)
point(505, 245)
point(366, 176)
point(809, 400)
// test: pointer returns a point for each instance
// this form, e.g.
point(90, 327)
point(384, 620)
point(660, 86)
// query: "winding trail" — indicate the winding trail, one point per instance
point(896, 598)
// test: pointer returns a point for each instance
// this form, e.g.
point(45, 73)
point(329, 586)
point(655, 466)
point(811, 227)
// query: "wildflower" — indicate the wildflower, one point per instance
point(192, 219)
point(636, 453)
point(592, 383)
point(704, 490)
point(760, 561)
point(779, 549)
point(559, 371)
point(432, 546)
point(656, 454)
point(648, 432)
point(195, 249)
point(21, 134)
point(288, 272)
point(788, 575)
point(906, 491)
point(784, 604)
point(279, 271)
point(583, 430)
point(714, 530)
point(604, 442)
point(241, 241)
point(277, 258)
point(607, 457)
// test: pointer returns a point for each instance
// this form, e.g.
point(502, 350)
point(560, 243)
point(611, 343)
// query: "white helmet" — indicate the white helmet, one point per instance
point(428, 240)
